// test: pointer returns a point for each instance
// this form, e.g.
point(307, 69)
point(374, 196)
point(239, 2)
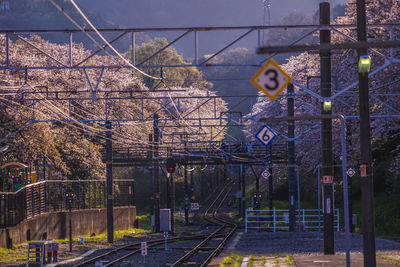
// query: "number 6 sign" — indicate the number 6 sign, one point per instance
point(265, 135)
point(271, 79)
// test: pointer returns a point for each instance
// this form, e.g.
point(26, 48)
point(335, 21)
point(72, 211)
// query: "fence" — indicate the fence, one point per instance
point(307, 219)
point(49, 196)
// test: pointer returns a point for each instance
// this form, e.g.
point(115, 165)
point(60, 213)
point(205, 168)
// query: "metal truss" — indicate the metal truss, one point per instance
point(203, 153)
point(253, 32)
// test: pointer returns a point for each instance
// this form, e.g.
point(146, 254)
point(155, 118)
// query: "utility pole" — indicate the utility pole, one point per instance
point(109, 185)
point(156, 173)
point(367, 188)
point(326, 128)
point(291, 159)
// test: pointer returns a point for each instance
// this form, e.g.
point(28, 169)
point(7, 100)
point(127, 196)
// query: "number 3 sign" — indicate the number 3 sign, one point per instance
point(265, 135)
point(271, 79)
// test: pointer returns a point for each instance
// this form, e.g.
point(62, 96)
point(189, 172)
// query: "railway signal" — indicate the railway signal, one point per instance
point(257, 201)
point(171, 164)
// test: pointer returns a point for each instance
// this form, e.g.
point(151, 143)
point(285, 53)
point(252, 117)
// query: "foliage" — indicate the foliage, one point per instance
point(304, 69)
point(71, 145)
point(180, 77)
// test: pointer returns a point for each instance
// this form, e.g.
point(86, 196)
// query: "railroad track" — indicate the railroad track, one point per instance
point(212, 245)
point(209, 244)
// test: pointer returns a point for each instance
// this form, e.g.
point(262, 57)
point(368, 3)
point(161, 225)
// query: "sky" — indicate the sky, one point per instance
point(187, 13)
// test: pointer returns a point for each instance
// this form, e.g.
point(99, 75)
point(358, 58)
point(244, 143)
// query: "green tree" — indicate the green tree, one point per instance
point(181, 77)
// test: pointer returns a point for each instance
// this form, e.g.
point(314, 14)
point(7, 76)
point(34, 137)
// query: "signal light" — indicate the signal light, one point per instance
point(171, 165)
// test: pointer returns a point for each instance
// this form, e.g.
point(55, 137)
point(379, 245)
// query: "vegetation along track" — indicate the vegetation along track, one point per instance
point(210, 244)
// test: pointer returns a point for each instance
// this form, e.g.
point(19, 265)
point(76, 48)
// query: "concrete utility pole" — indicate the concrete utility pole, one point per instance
point(326, 128)
point(367, 188)
point(291, 160)
point(156, 173)
point(109, 185)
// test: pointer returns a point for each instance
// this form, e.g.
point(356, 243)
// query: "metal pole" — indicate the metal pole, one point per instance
point(153, 203)
point(257, 181)
point(349, 145)
point(239, 190)
point(326, 128)
point(345, 190)
point(133, 59)
point(186, 187)
point(202, 185)
point(172, 204)
point(270, 181)
point(156, 173)
point(191, 196)
point(243, 166)
point(319, 202)
point(110, 197)
point(291, 159)
point(367, 189)
point(70, 227)
point(44, 167)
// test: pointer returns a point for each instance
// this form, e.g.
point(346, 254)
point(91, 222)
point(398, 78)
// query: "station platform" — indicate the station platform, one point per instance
point(301, 249)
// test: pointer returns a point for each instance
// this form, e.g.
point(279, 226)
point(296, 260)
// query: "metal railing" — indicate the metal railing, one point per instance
point(49, 196)
point(306, 219)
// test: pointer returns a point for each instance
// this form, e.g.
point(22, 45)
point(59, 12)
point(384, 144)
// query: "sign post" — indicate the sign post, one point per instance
point(166, 239)
point(266, 174)
point(144, 251)
point(265, 135)
point(271, 79)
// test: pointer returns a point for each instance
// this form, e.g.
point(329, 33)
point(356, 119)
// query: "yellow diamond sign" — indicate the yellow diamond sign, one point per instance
point(271, 79)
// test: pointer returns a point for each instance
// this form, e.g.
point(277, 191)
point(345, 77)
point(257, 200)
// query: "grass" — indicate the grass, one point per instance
point(18, 252)
point(290, 260)
point(387, 217)
point(250, 262)
point(276, 260)
point(15, 254)
point(263, 260)
point(391, 260)
point(234, 259)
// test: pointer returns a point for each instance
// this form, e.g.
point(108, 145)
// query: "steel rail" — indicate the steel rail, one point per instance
point(217, 221)
point(130, 246)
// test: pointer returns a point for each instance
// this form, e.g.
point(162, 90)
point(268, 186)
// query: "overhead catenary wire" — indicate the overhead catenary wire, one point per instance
point(108, 44)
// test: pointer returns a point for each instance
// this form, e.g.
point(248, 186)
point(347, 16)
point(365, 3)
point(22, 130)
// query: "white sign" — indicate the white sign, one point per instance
point(265, 135)
point(144, 248)
point(271, 79)
point(328, 179)
point(194, 206)
point(351, 172)
point(265, 174)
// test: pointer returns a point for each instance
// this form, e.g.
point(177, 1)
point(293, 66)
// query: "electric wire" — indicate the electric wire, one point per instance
point(108, 44)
